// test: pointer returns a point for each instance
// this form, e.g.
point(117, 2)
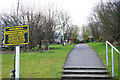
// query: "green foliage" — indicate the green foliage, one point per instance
point(41, 51)
point(86, 40)
point(100, 39)
point(6, 48)
point(92, 39)
point(35, 48)
point(77, 41)
point(28, 50)
point(24, 50)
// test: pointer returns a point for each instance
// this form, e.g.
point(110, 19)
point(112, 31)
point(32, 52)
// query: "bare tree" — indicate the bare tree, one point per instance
point(105, 21)
point(86, 32)
point(42, 27)
point(72, 31)
point(0, 36)
point(57, 20)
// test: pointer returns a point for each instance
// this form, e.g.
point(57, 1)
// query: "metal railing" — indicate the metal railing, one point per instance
point(112, 47)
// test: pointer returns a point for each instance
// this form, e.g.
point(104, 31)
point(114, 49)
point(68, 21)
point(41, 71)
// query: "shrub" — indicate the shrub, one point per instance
point(12, 48)
point(24, 50)
point(6, 48)
point(92, 39)
point(35, 48)
point(77, 41)
point(100, 39)
point(29, 50)
point(86, 40)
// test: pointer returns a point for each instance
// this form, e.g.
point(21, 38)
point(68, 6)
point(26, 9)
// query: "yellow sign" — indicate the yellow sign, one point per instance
point(16, 35)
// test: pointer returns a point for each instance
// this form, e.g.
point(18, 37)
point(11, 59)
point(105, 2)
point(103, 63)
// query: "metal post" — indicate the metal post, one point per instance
point(107, 54)
point(17, 62)
point(119, 66)
point(17, 54)
point(112, 61)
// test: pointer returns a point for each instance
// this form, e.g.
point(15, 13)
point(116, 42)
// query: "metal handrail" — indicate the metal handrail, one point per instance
point(112, 47)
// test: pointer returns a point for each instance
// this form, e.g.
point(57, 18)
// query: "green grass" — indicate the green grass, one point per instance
point(100, 48)
point(36, 64)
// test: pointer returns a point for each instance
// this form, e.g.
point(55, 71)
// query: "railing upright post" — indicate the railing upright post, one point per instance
point(106, 53)
point(119, 66)
point(112, 47)
point(112, 61)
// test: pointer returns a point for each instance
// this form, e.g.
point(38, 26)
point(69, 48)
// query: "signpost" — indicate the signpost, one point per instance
point(16, 35)
point(45, 45)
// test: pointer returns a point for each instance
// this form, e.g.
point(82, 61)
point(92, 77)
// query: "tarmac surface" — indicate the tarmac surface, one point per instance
point(83, 56)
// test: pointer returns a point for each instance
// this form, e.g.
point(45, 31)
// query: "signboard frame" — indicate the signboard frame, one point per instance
point(20, 28)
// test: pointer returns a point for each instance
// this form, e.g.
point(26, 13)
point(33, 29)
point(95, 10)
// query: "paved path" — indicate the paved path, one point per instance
point(84, 56)
point(83, 63)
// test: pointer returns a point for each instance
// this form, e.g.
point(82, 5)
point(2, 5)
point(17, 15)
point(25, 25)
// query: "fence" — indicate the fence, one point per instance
point(112, 47)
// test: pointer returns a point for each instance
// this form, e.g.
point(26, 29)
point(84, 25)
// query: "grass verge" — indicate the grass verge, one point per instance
point(36, 64)
point(100, 48)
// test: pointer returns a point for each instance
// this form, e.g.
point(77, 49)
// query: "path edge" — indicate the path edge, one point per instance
point(98, 56)
point(67, 56)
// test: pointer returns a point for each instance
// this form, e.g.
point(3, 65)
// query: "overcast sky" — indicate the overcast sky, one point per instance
point(78, 9)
